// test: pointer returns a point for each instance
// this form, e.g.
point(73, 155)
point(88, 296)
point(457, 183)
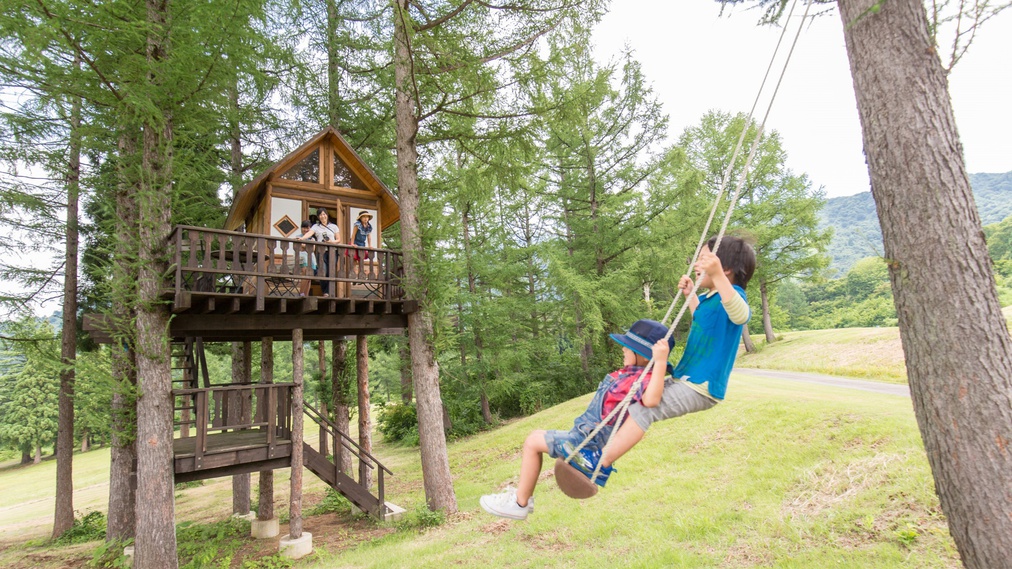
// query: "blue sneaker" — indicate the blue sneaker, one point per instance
point(586, 461)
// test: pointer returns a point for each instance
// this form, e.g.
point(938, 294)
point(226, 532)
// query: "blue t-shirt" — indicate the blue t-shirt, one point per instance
point(712, 345)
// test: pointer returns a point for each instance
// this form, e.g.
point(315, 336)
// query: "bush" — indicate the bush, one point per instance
point(333, 502)
point(399, 422)
point(89, 527)
point(210, 545)
point(109, 555)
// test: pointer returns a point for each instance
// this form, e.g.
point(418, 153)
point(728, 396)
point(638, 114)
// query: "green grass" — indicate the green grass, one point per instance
point(868, 353)
point(776, 476)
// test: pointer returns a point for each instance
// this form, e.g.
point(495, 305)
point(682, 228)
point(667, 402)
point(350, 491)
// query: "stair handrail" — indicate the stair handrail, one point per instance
point(319, 417)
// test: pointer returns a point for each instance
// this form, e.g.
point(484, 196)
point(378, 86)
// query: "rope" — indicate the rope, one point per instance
point(623, 406)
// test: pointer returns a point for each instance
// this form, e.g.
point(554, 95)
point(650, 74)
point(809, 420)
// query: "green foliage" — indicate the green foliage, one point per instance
point(89, 527)
point(856, 231)
point(109, 555)
point(399, 423)
point(29, 383)
point(210, 545)
point(420, 518)
point(276, 561)
point(333, 502)
point(862, 298)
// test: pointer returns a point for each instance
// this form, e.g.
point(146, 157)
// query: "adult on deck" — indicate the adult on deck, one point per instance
point(323, 231)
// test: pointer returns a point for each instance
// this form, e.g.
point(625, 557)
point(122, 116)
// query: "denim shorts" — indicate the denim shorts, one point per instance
point(582, 426)
point(678, 399)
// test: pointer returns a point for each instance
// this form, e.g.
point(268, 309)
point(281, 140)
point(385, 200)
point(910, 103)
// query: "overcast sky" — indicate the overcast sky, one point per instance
point(697, 61)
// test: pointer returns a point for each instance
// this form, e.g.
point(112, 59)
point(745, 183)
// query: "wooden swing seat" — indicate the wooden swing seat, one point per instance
point(572, 482)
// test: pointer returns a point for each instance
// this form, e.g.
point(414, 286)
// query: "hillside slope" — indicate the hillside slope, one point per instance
point(856, 232)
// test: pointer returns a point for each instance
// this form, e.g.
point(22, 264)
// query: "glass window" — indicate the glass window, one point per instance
point(307, 170)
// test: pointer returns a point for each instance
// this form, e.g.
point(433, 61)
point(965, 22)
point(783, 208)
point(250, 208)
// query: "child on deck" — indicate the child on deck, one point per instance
point(644, 339)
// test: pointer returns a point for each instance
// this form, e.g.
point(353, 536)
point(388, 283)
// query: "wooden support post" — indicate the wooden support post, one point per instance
point(364, 418)
point(265, 510)
point(240, 413)
point(321, 347)
point(295, 500)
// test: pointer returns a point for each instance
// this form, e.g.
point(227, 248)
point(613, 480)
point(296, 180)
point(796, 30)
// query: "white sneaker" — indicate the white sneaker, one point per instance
point(505, 505)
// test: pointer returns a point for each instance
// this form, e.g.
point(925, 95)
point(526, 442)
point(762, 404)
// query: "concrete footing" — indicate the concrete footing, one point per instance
point(264, 529)
point(296, 548)
point(128, 551)
point(250, 516)
point(394, 512)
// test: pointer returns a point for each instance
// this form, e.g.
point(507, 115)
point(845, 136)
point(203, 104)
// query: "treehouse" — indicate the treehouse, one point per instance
point(254, 280)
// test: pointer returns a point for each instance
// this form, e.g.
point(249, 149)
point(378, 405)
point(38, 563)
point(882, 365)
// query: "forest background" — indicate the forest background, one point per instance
point(555, 206)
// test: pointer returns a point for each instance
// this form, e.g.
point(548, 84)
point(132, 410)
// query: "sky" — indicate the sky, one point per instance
point(697, 60)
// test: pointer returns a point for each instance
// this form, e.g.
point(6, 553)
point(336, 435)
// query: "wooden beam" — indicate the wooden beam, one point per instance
point(282, 462)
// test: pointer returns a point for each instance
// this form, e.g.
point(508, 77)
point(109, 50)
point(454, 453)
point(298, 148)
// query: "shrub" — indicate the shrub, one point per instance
point(89, 527)
point(399, 422)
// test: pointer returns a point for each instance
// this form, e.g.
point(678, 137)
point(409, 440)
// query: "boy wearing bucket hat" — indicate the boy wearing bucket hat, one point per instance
point(643, 341)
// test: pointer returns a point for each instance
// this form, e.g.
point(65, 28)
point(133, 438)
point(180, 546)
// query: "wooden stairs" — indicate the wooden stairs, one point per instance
point(241, 428)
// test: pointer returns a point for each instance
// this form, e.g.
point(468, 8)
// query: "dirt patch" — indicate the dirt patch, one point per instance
point(549, 541)
point(497, 527)
point(72, 557)
point(831, 484)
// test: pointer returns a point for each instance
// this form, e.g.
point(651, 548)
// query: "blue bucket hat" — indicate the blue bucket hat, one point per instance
point(642, 336)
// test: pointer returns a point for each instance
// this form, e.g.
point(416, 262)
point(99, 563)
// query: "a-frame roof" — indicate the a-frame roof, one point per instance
point(253, 192)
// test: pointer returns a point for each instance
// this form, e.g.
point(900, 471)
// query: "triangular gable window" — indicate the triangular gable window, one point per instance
point(307, 170)
point(343, 176)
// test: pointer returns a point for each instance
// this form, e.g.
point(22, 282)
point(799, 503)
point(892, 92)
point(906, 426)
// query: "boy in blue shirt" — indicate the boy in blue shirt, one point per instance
point(645, 339)
point(718, 318)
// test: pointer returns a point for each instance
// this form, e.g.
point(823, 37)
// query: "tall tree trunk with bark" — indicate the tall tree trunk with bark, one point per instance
point(364, 420)
point(406, 391)
point(340, 391)
point(436, 476)
point(242, 374)
point(764, 298)
point(321, 348)
point(121, 521)
point(295, 488)
point(265, 503)
point(746, 339)
point(64, 516)
point(955, 341)
point(156, 524)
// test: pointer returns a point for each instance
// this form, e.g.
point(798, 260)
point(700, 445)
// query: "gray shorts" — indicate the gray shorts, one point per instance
point(678, 399)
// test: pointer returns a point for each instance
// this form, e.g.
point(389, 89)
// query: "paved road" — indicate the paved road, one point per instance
point(875, 386)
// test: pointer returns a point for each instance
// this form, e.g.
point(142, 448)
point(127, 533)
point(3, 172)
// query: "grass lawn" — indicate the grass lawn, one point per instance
point(773, 477)
point(867, 353)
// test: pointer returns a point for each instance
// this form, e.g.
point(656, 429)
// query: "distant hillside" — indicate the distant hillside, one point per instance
point(856, 232)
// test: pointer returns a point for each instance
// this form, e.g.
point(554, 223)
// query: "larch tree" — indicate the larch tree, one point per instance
point(956, 343)
point(447, 57)
point(777, 209)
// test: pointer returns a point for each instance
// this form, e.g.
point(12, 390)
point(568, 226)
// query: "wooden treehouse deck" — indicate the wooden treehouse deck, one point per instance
point(232, 286)
point(235, 429)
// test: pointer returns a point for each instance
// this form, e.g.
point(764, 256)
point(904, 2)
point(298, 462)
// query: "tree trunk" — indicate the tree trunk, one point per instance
point(26, 457)
point(472, 288)
point(85, 443)
point(955, 341)
point(437, 480)
point(155, 544)
point(265, 506)
point(242, 374)
point(746, 339)
point(121, 522)
point(321, 348)
point(64, 516)
point(406, 391)
point(295, 496)
point(38, 453)
point(764, 298)
point(340, 394)
point(333, 69)
point(364, 416)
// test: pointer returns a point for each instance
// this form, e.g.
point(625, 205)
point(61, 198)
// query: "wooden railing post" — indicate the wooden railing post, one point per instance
point(201, 443)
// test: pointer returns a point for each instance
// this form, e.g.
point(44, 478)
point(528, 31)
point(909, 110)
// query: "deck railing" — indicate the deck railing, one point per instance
point(265, 407)
point(247, 264)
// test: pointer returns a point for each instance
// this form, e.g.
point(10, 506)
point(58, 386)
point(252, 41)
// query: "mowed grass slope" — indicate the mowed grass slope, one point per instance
point(867, 353)
point(771, 478)
point(776, 476)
